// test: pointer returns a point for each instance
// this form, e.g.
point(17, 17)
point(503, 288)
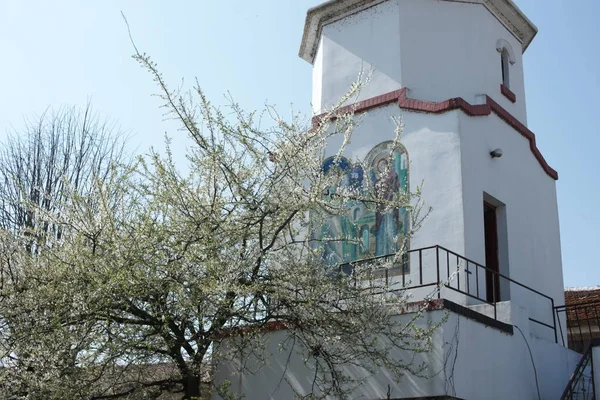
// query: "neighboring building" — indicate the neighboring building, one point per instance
point(582, 311)
point(453, 70)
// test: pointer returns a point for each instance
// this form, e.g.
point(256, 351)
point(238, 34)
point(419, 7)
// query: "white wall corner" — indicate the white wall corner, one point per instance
point(480, 99)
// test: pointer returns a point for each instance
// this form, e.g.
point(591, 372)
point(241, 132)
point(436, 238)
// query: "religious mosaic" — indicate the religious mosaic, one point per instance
point(379, 230)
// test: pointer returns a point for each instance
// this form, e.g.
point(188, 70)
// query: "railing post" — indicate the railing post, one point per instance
point(477, 279)
point(562, 337)
point(579, 326)
point(437, 262)
point(494, 294)
point(420, 267)
point(387, 276)
point(587, 318)
point(554, 322)
point(592, 371)
point(467, 278)
point(458, 272)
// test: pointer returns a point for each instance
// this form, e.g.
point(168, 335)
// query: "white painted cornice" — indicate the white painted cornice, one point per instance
point(505, 11)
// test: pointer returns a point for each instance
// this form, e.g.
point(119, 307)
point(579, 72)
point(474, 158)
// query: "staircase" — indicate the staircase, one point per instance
point(581, 385)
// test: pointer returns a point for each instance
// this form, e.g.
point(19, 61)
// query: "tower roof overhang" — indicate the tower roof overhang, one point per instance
point(505, 11)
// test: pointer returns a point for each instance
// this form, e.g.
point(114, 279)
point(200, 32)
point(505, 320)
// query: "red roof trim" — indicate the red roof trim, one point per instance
point(477, 110)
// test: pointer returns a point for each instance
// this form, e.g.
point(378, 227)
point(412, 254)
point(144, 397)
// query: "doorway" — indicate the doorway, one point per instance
point(492, 280)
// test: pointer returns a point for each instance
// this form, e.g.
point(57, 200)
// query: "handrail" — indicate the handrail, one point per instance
point(457, 255)
point(502, 276)
point(583, 322)
point(497, 273)
point(578, 373)
point(437, 279)
point(586, 304)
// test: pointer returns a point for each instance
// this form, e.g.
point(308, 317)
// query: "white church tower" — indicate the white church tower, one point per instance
point(453, 71)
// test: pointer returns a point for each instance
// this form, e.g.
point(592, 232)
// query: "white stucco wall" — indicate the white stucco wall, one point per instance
point(437, 49)
point(498, 366)
point(449, 155)
point(433, 148)
point(283, 373)
point(317, 81)
point(529, 194)
point(449, 50)
point(367, 41)
point(469, 360)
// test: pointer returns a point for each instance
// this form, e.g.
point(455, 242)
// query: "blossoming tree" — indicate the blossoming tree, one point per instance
point(155, 269)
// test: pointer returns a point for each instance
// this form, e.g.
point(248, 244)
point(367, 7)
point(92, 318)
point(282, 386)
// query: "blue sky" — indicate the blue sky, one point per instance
point(65, 52)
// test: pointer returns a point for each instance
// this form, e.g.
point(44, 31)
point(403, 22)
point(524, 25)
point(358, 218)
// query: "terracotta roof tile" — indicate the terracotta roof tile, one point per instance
point(582, 303)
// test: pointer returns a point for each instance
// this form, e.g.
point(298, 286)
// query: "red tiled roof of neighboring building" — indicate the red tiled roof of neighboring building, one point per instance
point(582, 295)
point(583, 303)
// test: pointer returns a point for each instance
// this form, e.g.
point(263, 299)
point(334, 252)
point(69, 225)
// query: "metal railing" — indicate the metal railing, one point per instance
point(457, 273)
point(582, 323)
point(581, 383)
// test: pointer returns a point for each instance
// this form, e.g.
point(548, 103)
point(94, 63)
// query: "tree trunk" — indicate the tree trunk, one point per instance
point(191, 387)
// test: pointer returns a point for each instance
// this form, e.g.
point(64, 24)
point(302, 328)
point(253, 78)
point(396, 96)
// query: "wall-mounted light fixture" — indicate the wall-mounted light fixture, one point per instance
point(496, 153)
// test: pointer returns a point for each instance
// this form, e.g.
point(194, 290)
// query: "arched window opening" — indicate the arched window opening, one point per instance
point(505, 60)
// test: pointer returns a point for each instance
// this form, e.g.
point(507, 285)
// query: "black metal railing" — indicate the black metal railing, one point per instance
point(438, 266)
point(582, 323)
point(581, 383)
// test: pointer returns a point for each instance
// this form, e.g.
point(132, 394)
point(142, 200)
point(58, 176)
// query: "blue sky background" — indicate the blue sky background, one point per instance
point(66, 51)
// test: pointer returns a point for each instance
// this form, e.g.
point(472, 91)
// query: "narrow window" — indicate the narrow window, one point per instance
point(505, 59)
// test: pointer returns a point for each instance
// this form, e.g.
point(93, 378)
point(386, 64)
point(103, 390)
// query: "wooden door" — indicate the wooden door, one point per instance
point(492, 280)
